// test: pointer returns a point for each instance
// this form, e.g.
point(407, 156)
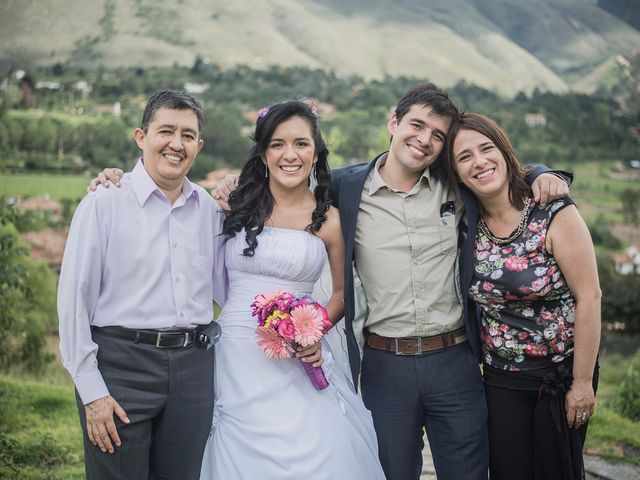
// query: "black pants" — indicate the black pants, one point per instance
point(529, 438)
point(168, 396)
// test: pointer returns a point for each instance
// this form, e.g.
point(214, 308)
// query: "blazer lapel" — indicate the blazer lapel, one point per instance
point(350, 195)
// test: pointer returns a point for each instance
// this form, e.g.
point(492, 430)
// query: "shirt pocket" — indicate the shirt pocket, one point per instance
point(448, 238)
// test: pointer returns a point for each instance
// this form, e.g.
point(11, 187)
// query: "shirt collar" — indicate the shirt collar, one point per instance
point(144, 186)
point(377, 182)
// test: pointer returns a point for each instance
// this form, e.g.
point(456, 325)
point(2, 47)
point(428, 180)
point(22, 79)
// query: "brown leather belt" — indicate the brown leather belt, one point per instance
point(416, 345)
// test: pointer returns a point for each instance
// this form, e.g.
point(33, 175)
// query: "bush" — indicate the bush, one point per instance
point(41, 453)
point(27, 302)
point(601, 234)
point(620, 299)
point(627, 397)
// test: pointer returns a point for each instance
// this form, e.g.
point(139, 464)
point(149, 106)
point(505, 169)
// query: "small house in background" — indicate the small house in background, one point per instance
point(28, 91)
point(534, 120)
point(43, 204)
point(48, 85)
point(83, 87)
point(627, 262)
point(114, 109)
point(47, 245)
point(195, 88)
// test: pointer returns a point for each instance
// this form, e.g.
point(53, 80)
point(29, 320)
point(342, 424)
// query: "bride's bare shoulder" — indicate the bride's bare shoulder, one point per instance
point(330, 229)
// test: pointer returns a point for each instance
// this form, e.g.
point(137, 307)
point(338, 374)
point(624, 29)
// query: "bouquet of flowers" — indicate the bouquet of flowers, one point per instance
point(288, 321)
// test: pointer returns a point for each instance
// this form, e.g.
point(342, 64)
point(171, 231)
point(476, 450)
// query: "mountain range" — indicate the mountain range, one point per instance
point(502, 45)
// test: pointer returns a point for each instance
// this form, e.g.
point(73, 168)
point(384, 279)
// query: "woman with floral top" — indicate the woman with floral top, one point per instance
point(536, 282)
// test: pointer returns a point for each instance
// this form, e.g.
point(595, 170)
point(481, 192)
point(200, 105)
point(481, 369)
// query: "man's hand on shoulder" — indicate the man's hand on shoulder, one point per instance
point(549, 187)
point(108, 174)
point(101, 429)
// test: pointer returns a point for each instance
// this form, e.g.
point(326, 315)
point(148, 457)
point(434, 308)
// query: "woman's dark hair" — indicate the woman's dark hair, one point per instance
point(252, 203)
point(519, 189)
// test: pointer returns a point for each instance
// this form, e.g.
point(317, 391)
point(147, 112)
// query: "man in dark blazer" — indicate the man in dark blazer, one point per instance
point(405, 231)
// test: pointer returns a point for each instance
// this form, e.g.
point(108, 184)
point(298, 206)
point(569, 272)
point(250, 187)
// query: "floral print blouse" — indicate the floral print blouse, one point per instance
point(528, 311)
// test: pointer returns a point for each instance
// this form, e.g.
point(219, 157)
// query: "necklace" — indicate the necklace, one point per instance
point(516, 233)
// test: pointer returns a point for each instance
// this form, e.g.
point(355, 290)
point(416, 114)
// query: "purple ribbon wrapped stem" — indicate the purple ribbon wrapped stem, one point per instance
point(316, 375)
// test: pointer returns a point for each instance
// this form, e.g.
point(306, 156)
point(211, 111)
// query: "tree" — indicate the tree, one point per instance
point(620, 300)
point(630, 199)
point(27, 300)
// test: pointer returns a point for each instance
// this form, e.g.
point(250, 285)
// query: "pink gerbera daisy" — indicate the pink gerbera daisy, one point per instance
point(266, 298)
point(309, 324)
point(272, 344)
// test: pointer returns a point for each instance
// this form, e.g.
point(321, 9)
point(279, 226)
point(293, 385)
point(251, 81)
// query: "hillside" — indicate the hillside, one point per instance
point(503, 45)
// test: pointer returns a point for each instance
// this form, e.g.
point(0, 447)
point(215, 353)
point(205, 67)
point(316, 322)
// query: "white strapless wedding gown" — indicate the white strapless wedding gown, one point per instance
point(269, 421)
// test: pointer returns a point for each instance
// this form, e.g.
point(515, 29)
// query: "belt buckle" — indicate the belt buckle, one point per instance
point(160, 334)
point(417, 352)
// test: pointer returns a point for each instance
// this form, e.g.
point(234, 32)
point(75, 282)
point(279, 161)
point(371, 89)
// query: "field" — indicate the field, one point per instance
point(31, 185)
point(596, 189)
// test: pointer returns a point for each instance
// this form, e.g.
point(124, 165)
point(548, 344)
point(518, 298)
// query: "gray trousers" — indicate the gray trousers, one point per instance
point(168, 396)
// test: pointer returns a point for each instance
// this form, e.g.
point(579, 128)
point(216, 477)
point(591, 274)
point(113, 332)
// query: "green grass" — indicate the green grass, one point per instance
point(40, 434)
point(70, 119)
point(30, 185)
point(612, 436)
point(595, 192)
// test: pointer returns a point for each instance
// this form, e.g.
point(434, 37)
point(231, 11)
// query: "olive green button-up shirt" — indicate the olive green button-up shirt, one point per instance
point(405, 254)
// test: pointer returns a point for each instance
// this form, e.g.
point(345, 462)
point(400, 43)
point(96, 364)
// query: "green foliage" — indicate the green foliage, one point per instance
point(40, 453)
point(23, 220)
point(630, 199)
point(27, 302)
point(611, 434)
point(223, 137)
point(62, 144)
point(602, 236)
point(620, 299)
point(578, 128)
point(627, 396)
point(40, 435)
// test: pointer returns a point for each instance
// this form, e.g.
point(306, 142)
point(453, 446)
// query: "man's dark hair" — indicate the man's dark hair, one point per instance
point(174, 100)
point(427, 95)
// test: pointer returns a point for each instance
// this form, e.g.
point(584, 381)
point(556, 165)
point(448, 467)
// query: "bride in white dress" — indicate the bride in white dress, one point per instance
point(269, 420)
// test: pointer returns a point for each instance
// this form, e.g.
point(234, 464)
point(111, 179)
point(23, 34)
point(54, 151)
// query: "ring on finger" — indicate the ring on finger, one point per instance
point(584, 417)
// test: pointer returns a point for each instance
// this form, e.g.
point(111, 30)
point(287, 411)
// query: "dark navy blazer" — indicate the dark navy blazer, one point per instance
point(346, 191)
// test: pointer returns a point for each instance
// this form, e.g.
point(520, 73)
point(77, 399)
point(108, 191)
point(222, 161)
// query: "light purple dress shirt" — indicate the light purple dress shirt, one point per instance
point(134, 260)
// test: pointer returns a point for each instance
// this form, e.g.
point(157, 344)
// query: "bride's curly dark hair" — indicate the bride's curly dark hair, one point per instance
point(252, 203)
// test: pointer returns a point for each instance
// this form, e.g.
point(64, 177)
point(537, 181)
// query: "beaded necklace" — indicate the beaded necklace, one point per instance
point(517, 232)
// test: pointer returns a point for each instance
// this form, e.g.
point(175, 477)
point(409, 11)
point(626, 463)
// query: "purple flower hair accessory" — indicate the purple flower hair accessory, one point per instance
point(263, 112)
point(314, 108)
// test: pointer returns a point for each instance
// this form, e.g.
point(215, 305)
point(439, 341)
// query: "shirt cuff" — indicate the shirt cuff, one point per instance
point(561, 176)
point(91, 387)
